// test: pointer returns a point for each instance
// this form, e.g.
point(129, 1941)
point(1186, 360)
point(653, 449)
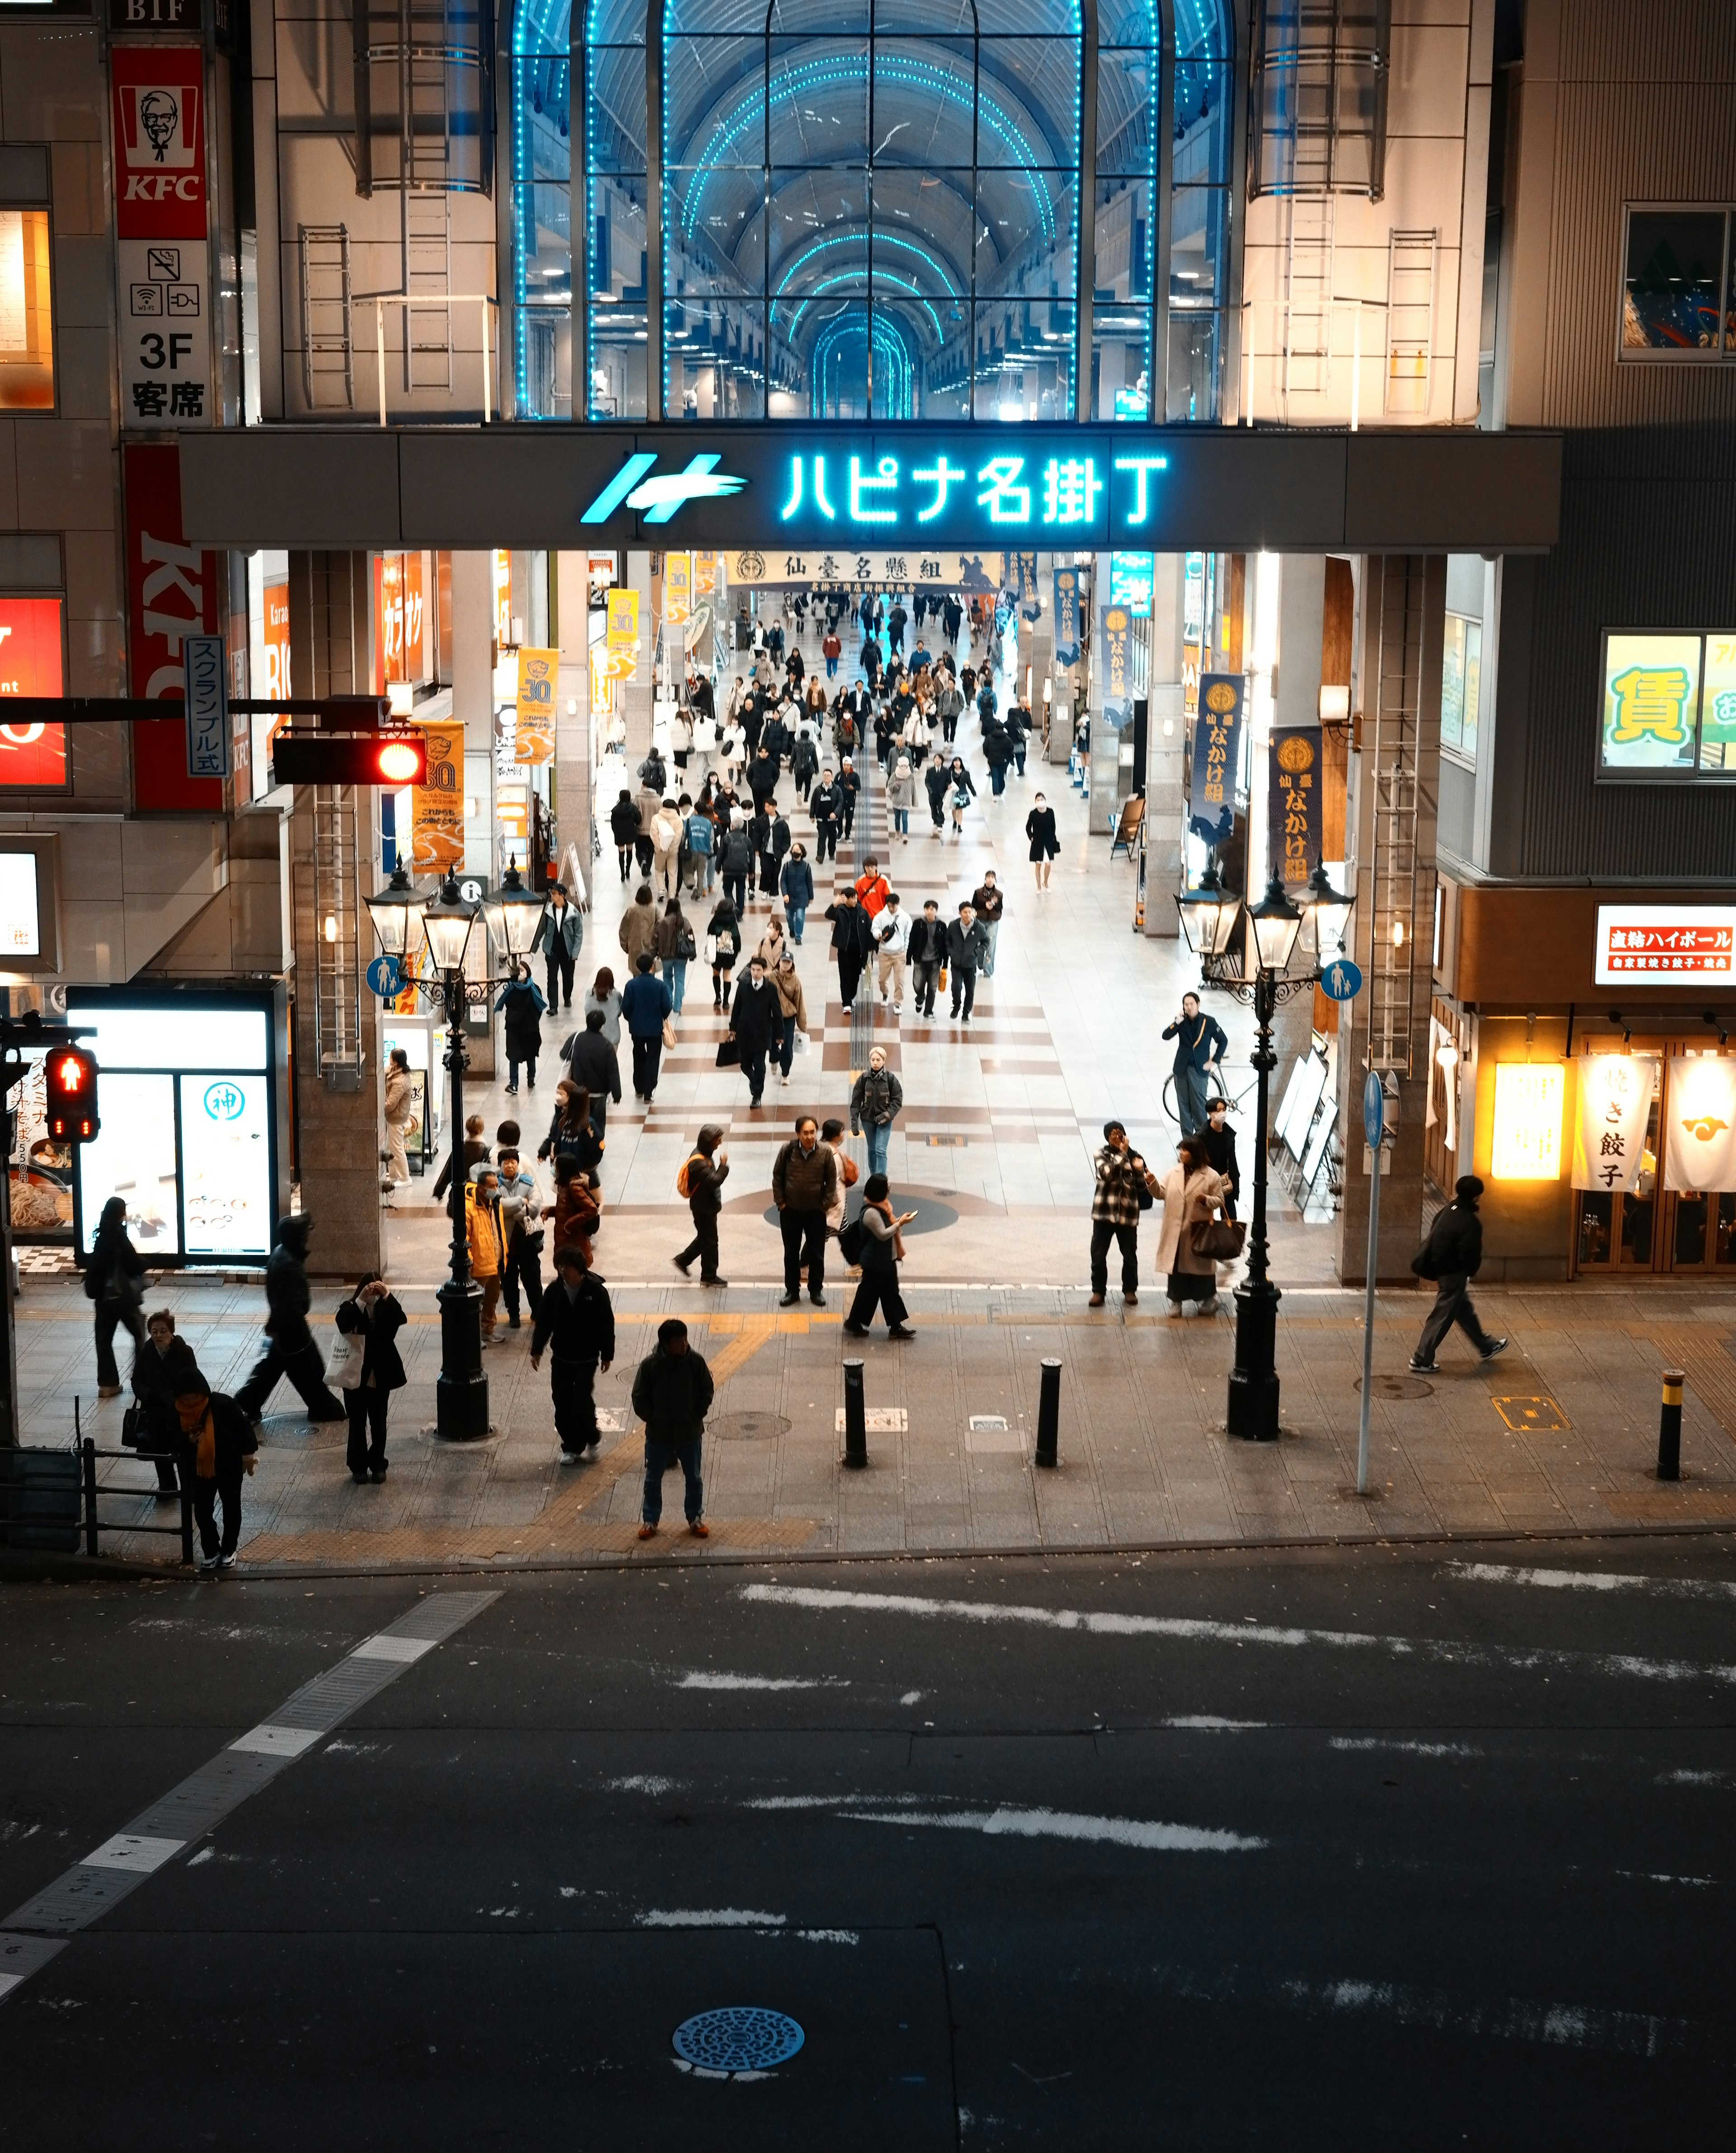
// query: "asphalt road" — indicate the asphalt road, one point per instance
point(1195, 1852)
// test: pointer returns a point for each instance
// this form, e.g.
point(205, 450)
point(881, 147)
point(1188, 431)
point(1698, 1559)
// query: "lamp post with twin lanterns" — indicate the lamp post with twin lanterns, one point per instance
point(404, 922)
point(1249, 950)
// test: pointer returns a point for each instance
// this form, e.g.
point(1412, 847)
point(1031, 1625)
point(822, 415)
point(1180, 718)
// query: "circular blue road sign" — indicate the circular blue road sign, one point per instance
point(382, 977)
point(1340, 980)
point(1374, 1110)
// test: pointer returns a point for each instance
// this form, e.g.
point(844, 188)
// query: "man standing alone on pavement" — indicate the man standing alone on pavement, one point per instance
point(1123, 1178)
point(1452, 1256)
point(1201, 1045)
point(804, 1181)
point(577, 1321)
point(672, 1394)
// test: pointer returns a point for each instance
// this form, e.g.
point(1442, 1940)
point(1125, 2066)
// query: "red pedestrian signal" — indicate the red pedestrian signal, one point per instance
point(71, 1102)
point(381, 758)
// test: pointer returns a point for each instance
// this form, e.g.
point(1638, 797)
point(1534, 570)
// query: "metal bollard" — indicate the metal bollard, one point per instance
point(855, 1416)
point(88, 1451)
point(1669, 1426)
point(1048, 1416)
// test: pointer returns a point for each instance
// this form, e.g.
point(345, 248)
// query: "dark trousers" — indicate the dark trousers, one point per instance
point(963, 984)
point(753, 1068)
point(785, 1049)
point(1192, 1091)
point(1103, 1231)
point(304, 1369)
point(575, 1404)
point(879, 1289)
point(227, 1485)
point(647, 1060)
point(560, 968)
point(849, 813)
point(1452, 1304)
point(804, 1234)
point(703, 1244)
point(366, 1452)
point(849, 979)
point(109, 1314)
point(949, 730)
point(735, 887)
point(768, 874)
point(524, 1268)
point(529, 1069)
point(624, 856)
point(659, 1458)
point(928, 978)
point(646, 851)
point(826, 841)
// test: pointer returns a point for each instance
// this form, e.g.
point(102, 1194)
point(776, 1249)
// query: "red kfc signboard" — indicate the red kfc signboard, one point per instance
point(172, 594)
point(31, 755)
point(159, 141)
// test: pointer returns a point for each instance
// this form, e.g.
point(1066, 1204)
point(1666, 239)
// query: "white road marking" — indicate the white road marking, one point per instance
point(1405, 1749)
point(644, 1783)
point(1592, 1580)
point(1208, 1722)
point(385, 1646)
point(1197, 1629)
point(828, 1936)
point(1687, 1777)
point(713, 1917)
point(1061, 1824)
point(266, 1740)
point(128, 1850)
point(753, 1681)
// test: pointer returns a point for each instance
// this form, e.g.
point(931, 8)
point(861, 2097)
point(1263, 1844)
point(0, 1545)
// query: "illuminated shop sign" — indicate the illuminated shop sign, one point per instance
point(1654, 943)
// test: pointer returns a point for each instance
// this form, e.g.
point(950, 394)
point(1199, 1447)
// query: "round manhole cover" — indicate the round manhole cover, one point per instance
point(1397, 1386)
point(745, 2037)
point(750, 1424)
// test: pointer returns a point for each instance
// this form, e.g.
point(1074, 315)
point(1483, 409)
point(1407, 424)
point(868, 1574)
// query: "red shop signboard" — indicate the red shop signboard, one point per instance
point(172, 591)
point(33, 756)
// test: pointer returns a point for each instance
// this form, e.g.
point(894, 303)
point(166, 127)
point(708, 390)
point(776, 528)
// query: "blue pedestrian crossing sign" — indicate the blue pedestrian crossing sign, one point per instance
point(1341, 980)
point(384, 977)
point(1374, 1110)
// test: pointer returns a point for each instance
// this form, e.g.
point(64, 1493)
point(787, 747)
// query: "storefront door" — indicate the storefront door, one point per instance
point(1654, 1229)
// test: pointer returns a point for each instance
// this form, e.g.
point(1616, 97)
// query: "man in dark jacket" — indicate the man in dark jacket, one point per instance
point(936, 780)
point(217, 1447)
point(290, 1350)
point(927, 954)
point(736, 864)
point(596, 1065)
point(1200, 1046)
point(755, 1019)
point(1219, 1141)
point(848, 785)
point(645, 1005)
point(852, 941)
point(826, 804)
point(707, 1169)
point(672, 1394)
point(967, 945)
point(1452, 1256)
point(771, 834)
point(577, 1321)
point(804, 1181)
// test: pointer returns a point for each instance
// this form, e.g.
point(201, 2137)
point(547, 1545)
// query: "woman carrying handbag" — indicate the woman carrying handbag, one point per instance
point(1193, 1240)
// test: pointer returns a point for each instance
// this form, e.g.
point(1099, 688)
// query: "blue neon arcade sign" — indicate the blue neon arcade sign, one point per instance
point(1005, 496)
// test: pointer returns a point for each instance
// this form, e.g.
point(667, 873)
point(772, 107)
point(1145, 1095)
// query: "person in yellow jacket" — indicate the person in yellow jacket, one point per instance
point(487, 1240)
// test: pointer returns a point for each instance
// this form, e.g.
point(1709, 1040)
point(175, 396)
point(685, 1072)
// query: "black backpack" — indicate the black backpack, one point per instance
point(851, 1237)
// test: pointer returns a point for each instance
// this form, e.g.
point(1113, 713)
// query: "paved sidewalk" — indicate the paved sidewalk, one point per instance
point(1558, 1434)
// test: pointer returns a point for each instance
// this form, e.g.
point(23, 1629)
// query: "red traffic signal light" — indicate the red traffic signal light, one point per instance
point(381, 758)
point(71, 1102)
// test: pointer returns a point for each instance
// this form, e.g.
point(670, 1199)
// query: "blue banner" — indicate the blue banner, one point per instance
point(1293, 816)
point(1115, 663)
point(1066, 616)
point(1217, 757)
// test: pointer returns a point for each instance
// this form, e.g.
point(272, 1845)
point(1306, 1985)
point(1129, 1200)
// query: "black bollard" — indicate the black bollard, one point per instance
point(855, 1416)
point(1669, 1426)
point(1048, 1416)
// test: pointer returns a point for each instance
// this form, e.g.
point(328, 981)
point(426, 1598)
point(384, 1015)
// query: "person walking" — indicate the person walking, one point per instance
point(793, 1003)
point(522, 1231)
point(466, 1155)
point(927, 954)
point(771, 840)
point(882, 1250)
point(676, 950)
point(702, 860)
point(400, 1107)
point(638, 931)
point(832, 1135)
point(796, 887)
point(577, 1208)
point(892, 941)
point(1219, 1141)
point(949, 708)
point(826, 804)
point(852, 942)
point(756, 1021)
point(735, 864)
point(672, 1394)
point(604, 994)
point(571, 1133)
point(648, 801)
point(723, 946)
point(849, 786)
point(114, 1280)
point(962, 787)
point(218, 1449)
point(1125, 1187)
point(871, 887)
point(966, 946)
point(1192, 1192)
point(368, 1326)
point(595, 1067)
point(1451, 1257)
point(160, 1368)
point(831, 649)
point(804, 1179)
point(701, 1181)
point(877, 1099)
point(998, 754)
point(645, 1005)
point(901, 796)
point(289, 1349)
point(989, 901)
point(575, 1326)
point(1200, 1043)
point(804, 763)
point(560, 938)
point(487, 1239)
point(624, 829)
point(1045, 844)
point(521, 1002)
point(935, 784)
point(668, 827)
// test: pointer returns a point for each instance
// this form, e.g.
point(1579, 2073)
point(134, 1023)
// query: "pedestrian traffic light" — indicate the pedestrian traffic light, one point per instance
point(380, 758)
point(71, 1104)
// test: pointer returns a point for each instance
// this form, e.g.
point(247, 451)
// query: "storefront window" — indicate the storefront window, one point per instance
point(1675, 270)
point(1669, 706)
point(26, 331)
point(1461, 669)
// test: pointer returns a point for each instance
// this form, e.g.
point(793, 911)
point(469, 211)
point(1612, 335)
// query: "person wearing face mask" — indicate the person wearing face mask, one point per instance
point(1045, 844)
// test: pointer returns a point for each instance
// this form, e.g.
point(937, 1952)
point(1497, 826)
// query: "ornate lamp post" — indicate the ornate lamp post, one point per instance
point(1248, 950)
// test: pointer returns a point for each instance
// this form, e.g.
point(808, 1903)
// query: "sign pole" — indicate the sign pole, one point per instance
point(1374, 1127)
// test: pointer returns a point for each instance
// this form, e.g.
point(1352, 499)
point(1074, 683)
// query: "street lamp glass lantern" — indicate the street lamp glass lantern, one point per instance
point(1328, 911)
point(515, 914)
point(1209, 916)
point(396, 912)
point(447, 923)
point(1275, 923)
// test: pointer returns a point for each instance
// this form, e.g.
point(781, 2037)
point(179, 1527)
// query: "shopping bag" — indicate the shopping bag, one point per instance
point(800, 1042)
point(729, 1051)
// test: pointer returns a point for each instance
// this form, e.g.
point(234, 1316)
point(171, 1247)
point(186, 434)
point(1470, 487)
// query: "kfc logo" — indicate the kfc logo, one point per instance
point(160, 141)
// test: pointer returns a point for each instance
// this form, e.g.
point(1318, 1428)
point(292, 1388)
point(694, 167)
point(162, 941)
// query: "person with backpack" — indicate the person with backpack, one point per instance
point(874, 1239)
point(723, 946)
point(1125, 1187)
point(701, 864)
point(672, 1394)
point(1451, 1258)
point(796, 887)
point(804, 1180)
point(736, 864)
point(676, 950)
point(576, 1324)
point(114, 1280)
point(701, 1182)
point(372, 1368)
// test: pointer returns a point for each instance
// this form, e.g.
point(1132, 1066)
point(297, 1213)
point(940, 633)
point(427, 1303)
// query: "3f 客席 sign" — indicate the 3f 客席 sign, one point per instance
point(161, 214)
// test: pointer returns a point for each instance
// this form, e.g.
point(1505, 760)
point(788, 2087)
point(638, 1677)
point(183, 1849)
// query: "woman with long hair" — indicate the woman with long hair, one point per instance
point(1192, 1192)
point(723, 946)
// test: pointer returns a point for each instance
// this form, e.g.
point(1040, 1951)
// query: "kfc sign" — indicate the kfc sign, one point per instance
point(1656, 944)
point(159, 141)
point(34, 756)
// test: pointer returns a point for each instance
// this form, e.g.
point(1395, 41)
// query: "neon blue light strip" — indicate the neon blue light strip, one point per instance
point(620, 485)
point(846, 275)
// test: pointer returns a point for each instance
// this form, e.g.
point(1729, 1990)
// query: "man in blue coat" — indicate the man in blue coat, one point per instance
point(645, 1005)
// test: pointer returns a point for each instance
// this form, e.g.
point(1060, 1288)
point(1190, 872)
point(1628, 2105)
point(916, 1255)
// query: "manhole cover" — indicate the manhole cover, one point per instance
point(1398, 1387)
point(750, 1424)
point(745, 2037)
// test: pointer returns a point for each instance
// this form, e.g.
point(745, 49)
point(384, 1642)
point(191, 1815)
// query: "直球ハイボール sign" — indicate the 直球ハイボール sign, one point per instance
point(1665, 945)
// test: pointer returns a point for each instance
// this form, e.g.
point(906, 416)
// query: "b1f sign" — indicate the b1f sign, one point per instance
point(160, 216)
point(1663, 944)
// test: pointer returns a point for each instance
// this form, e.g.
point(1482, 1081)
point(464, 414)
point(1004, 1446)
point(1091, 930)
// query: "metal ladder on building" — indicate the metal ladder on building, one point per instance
point(1413, 260)
point(427, 238)
point(328, 357)
point(1392, 767)
point(1308, 297)
point(336, 902)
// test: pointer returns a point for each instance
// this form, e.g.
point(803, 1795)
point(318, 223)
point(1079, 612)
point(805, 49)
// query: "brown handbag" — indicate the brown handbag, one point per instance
point(1221, 1239)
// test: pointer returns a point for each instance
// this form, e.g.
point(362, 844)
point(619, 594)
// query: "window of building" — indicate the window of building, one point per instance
point(1669, 706)
point(1677, 262)
point(1461, 670)
point(27, 329)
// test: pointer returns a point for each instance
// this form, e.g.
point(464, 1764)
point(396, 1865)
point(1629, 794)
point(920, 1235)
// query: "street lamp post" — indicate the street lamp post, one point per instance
point(445, 925)
point(1248, 950)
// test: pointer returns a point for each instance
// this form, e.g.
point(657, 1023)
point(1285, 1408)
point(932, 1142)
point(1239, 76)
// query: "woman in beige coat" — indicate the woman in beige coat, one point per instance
point(1192, 1192)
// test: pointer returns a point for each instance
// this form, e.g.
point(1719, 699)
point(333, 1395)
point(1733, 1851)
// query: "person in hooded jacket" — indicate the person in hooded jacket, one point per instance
point(624, 829)
point(560, 937)
point(1451, 1257)
point(521, 1004)
point(852, 941)
point(114, 1280)
point(370, 1320)
point(638, 931)
point(577, 1321)
point(290, 1350)
point(596, 1069)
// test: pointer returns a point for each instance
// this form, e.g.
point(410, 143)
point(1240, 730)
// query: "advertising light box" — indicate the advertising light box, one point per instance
point(1656, 944)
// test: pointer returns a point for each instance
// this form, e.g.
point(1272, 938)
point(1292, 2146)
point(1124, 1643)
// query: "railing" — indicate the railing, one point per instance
point(91, 1492)
point(428, 301)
